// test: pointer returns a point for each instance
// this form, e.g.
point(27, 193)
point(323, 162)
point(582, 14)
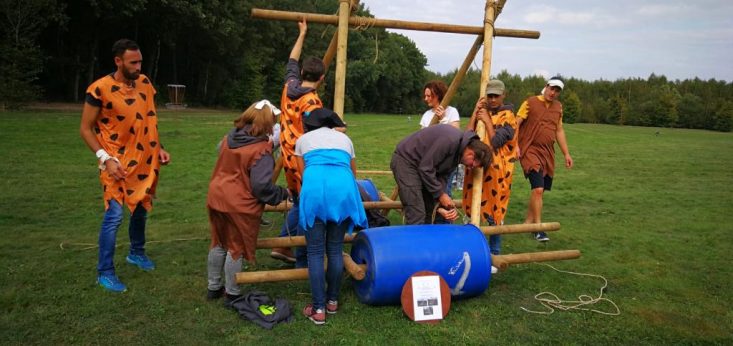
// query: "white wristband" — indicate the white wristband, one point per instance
point(102, 155)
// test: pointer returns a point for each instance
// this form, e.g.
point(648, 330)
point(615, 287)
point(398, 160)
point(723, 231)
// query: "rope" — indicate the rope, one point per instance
point(551, 301)
point(88, 246)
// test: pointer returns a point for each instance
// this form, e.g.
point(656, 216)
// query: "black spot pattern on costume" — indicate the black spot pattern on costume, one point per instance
point(143, 96)
point(115, 88)
point(138, 116)
point(510, 147)
point(139, 146)
point(130, 191)
point(507, 174)
point(142, 176)
point(120, 117)
point(109, 105)
point(96, 130)
point(146, 81)
point(156, 172)
point(132, 163)
point(469, 186)
point(503, 197)
point(104, 188)
point(121, 150)
point(501, 180)
point(153, 144)
point(132, 130)
point(120, 189)
point(493, 192)
point(488, 179)
point(149, 160)
point(147, 191)
point(114, 136)
point(297, 109)
point(129, 101)
point(483, 203)
point(486, 216)
point(495, 207)
point(146, 130)
point(503, 210)
point(104, 121)
point(151, 114)
point(97, 91)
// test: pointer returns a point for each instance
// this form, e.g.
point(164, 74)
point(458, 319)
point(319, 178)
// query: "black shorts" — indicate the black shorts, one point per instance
point(538, 179)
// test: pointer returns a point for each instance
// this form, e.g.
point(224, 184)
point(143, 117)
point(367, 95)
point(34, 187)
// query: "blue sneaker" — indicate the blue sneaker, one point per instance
point(541, 237)
point(110, 282)
point(142, 261)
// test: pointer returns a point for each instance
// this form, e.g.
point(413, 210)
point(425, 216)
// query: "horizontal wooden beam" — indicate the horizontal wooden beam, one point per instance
point(285, 206)
point(269, 243)
point(356, 21)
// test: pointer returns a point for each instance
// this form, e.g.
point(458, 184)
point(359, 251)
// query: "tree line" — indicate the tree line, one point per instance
point(52, 49)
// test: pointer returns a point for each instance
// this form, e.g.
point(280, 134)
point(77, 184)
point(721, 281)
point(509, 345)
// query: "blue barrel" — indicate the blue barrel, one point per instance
point(369, 187)
point(458, 253)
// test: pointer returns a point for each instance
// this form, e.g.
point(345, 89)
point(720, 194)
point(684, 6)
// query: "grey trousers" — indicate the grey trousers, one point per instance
point(219, 259)
point(417, 202)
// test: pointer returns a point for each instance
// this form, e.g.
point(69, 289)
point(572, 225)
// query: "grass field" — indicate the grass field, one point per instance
point(652, 213)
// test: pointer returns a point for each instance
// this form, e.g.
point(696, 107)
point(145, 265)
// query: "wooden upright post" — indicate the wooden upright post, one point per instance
point(343, 33)
point(331, 51)
point(478, 174)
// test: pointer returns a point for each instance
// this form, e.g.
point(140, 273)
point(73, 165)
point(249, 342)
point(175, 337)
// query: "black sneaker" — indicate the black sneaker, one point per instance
point(229, 299)
point(541, 237)
point(215, 294)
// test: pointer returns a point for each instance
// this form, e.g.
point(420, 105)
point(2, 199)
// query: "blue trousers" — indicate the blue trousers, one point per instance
point(290, 228)
point(325, 238)
point(108, 235)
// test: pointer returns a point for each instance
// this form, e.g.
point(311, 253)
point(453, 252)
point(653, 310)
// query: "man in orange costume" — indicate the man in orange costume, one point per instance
point(540, 126)
point(120, 124)
point(501, 130)
point(299, 96)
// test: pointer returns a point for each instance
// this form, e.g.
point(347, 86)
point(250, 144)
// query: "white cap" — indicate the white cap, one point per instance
point(556, 82)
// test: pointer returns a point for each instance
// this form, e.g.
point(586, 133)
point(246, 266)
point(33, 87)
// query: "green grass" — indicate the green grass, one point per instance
point(651, 213)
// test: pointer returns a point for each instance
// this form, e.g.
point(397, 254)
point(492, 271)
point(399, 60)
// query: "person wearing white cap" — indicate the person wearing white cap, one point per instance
point(240, 186)
point(540, 126)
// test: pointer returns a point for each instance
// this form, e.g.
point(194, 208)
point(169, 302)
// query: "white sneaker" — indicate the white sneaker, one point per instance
point(494, 270)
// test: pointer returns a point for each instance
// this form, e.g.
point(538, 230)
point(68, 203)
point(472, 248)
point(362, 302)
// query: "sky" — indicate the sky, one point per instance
point(590, 40)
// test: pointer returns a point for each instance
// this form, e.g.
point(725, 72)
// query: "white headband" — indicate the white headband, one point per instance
point(263, 103)
point(556, 82)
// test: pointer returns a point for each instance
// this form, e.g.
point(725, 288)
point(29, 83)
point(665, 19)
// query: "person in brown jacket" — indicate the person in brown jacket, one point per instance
point(540, 126)
point(240, 186)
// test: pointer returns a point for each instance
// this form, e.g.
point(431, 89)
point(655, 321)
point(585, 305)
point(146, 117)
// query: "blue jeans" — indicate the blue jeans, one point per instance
point(325, 238)
point(291, 228)
point(494, 240)
point(108, 235)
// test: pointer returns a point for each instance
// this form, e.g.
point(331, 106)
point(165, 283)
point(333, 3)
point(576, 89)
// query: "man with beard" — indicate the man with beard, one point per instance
point(120, 125)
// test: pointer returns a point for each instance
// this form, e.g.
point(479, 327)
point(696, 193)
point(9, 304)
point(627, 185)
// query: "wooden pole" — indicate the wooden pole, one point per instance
point(358, 271)
point(520, 228)
point(343, 34)
point(520, 258)
point(458, 78)
point(390, 23)
point(478, 173)
point(331, 51)
point(268, 243)
point(285, 206)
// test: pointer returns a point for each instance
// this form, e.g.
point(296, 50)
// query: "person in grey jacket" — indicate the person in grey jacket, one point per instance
point(421, 164)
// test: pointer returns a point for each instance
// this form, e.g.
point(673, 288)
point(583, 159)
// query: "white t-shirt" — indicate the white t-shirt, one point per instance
point(450, 115)
point(323, 138)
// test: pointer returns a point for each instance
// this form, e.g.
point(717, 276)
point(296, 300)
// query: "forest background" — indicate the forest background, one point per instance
point(50, 50)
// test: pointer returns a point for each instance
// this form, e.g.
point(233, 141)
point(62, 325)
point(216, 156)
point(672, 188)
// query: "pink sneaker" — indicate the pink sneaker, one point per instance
point(332, 307)
point(316, 315)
